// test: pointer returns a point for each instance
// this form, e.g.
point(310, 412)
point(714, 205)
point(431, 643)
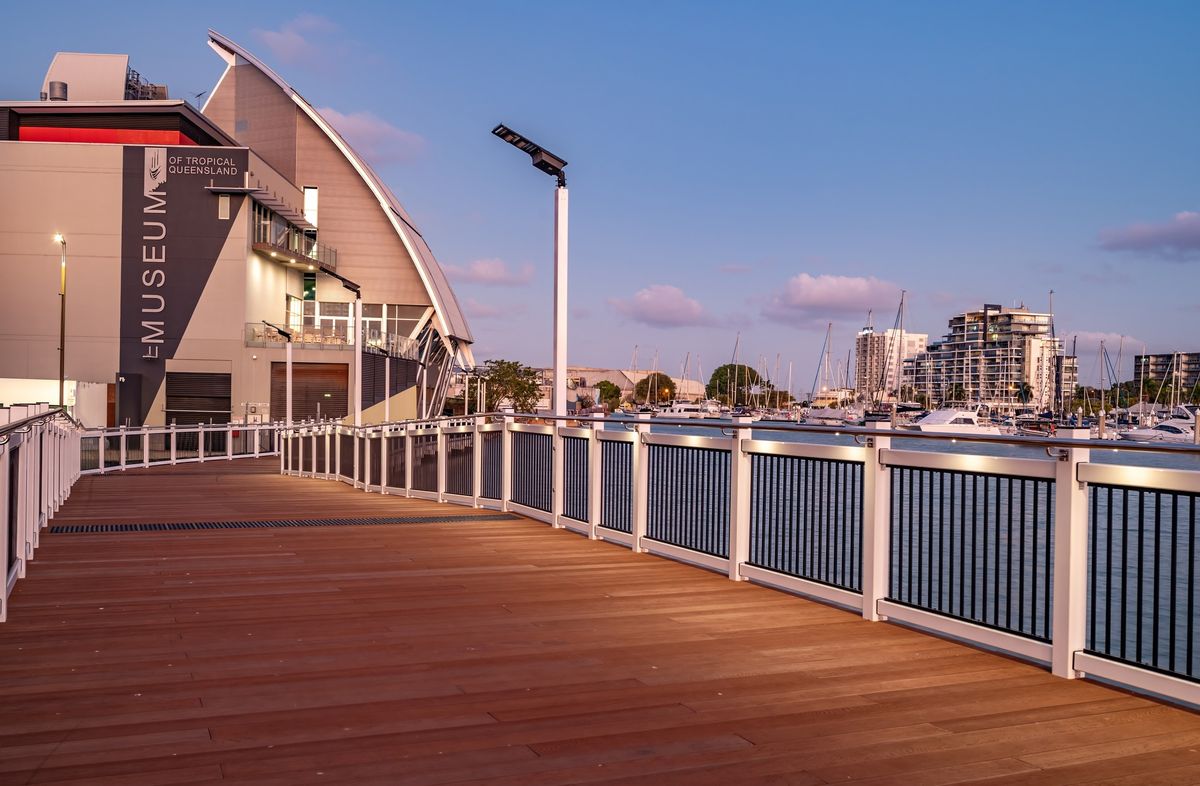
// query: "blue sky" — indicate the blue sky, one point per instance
point(761, 168)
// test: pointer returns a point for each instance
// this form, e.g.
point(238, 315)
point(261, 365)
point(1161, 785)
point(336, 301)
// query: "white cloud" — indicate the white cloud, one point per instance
point(1178, 238)
point(374, 138)
point(662, 305)
point(490, 272)
point(808, 299)
point(479, 310)
point(303, 40)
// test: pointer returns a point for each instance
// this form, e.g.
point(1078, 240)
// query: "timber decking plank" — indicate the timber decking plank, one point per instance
point(491, 651)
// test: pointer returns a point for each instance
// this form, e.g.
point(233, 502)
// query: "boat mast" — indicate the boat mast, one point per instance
point(899, 354)
point(812, 394)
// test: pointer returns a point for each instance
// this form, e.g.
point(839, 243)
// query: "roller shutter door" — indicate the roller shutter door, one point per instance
point(316, 387)
point(198, 398)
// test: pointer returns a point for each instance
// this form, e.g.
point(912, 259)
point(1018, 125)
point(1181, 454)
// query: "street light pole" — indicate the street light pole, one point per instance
point(552, 165)
point(560, 299)
point(62, 319)
point(287, 336)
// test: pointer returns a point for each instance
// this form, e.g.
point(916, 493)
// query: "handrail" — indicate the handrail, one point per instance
point(1019, 440)
point(40, 417)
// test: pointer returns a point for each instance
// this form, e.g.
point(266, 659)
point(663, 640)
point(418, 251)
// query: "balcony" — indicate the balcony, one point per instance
point(332, 337)
point(283, 241)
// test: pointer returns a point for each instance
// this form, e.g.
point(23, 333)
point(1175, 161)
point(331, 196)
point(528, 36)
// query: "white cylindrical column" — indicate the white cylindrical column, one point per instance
point(560, 301)
point(288, 356)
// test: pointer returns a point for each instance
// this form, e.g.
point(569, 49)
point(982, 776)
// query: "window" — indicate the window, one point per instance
point(310, 285)
point(223, 207)
point(310, 204)
point(404, 320)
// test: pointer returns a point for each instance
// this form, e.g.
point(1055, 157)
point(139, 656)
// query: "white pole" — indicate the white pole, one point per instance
point(560, 301)
point(387, 388)
point(357, 320)
point(288, 356)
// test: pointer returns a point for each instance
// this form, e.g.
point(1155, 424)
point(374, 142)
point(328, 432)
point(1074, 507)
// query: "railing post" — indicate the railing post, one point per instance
point(145, 446)
point(477, 460)
point(173, 458)
point(506, 463)
point(739, 500)
point(357, 456)
point(558, 475)
point(366, 460)
point(441, 463)
point(257, 439)
point(199, 442)
point(229, 442)
point(641, 482)
point(383, 457)
point(330, 453)
point(121, 451)
point(408, 461)
point(1070, 556)
point(876, 523)
point(595, 479)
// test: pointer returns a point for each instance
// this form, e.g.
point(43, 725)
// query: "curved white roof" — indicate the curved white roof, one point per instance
point(450, 320)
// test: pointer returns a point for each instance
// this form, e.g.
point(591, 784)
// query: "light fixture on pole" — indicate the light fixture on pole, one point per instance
point(357, 336)
point(552, 165)
point(287, 336)
point(62, 318)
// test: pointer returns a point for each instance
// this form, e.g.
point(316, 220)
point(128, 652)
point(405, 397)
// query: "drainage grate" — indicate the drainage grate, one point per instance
point(182, 526)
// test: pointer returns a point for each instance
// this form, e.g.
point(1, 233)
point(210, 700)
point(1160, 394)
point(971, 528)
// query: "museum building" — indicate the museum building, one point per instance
point(197, 243)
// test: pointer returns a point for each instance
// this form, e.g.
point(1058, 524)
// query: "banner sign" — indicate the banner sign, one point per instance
point(171, 236)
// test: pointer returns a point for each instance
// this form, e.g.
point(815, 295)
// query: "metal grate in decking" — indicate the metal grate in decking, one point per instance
point(185, 526)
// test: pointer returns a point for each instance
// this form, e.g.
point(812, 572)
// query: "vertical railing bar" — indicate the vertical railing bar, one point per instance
point(1191, 578)
point(1174, 564)
point(1157, 572)
point(1124, 569)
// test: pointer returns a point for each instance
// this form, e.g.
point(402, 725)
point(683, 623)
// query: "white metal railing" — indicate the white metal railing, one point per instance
point(118, 449)
point(989, 549)
point(39, 462)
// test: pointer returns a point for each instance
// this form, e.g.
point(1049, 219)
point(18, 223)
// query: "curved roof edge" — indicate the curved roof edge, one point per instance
point(452, 322)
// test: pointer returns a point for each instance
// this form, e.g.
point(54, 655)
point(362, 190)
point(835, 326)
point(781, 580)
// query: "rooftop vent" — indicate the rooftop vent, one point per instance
point(57, 91)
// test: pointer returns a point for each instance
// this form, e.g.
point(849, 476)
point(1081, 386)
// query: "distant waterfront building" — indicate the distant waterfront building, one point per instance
point(1007, 358)
point(186, 230)
point(1181, 369)
point(875, 364)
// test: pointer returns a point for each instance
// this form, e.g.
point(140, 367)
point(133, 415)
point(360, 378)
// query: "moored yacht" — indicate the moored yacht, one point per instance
point(953, 420)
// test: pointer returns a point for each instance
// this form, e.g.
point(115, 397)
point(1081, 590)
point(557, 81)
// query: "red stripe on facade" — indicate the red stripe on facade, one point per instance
point(118, 136)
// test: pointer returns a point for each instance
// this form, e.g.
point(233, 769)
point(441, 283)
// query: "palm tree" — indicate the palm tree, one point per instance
point(1024, 392)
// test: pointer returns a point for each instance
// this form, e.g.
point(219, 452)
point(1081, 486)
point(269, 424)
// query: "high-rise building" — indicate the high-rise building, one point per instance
point(1007, 358)
point(875, 366)
point(1180, 369)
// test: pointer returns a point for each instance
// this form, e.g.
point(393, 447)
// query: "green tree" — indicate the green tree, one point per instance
point(655, 387)
point(512, 382)
point(957, 394)
point(610, 395)
point(1024, 392)
point(722, 382)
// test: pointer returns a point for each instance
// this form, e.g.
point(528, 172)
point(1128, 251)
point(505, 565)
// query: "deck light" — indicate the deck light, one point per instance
point(552, 165)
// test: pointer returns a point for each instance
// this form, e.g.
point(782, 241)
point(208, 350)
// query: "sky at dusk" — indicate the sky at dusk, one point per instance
point(760, 168)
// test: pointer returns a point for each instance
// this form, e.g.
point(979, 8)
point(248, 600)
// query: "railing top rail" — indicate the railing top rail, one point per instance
point(40, 417)
point(728, 427)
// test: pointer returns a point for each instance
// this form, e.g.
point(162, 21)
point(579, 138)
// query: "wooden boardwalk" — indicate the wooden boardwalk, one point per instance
point(493, 651)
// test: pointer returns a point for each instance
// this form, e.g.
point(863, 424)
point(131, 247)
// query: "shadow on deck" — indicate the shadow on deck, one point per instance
point(482, 647)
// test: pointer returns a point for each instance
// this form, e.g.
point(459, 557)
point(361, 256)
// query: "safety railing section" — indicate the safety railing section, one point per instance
point(576, 477)
point(1142, 582)
point(1086, 567)
point(40, 456)
point(687, 493)
point(806, 515)
point(616, 481)
point(118, 449)
point(974, 546)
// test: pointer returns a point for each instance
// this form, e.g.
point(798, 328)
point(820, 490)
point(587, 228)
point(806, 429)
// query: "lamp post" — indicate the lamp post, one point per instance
point(357, 336)
point(287, 336)
point(552, 165)
point(62, 318)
